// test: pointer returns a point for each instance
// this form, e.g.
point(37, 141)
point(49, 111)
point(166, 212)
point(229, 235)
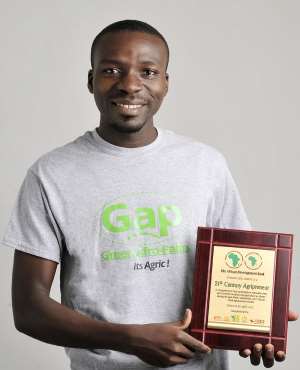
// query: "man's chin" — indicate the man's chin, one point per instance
point(127, 127)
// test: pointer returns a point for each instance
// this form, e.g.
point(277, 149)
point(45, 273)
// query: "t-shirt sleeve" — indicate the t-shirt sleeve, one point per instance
point(32, 227)
point(227, 208)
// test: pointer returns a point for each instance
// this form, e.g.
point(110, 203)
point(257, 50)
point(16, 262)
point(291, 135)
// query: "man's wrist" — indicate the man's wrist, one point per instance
point(125, 337)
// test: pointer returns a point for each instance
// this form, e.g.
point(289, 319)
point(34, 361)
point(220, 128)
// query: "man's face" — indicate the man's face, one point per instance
point(129, 79)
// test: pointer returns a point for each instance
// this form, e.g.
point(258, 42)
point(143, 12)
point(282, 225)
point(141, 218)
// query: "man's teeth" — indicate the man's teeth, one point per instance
point(132, 106)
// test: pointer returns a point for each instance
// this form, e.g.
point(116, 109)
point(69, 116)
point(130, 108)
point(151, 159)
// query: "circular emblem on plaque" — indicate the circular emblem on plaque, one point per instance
point(233, 259)
point(253, 260)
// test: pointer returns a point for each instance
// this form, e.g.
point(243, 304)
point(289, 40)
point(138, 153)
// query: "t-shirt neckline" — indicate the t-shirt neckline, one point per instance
point(123, 151)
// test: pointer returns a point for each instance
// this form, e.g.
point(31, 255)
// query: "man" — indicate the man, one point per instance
point(118, 208)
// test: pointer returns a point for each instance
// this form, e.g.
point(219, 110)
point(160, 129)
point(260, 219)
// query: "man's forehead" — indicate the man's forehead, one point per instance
point(127, 44)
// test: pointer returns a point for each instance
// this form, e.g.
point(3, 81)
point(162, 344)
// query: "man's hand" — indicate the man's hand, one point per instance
point(266, 353)
point(165, 344)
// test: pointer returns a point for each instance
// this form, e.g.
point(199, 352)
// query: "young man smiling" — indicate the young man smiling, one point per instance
point(117, 199)
point(129, 81)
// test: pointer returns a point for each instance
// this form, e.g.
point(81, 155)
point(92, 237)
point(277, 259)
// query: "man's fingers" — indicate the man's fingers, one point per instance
point(293, 316)
point(256, 354)
point(279, 356)
point(268, 355)
point(185, 352)
point(192, 343)
point(176, 360)
point(245, 352)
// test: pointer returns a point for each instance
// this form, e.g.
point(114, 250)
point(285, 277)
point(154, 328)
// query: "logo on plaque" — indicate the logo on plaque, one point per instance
point(233, 259)
point(253, 261)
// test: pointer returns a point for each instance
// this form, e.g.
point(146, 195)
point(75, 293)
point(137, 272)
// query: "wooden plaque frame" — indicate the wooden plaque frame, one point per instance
point(282, 244)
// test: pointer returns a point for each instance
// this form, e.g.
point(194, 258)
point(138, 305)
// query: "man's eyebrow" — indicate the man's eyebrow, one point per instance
point(109, 61)
point(115, 61)
point(153, 62)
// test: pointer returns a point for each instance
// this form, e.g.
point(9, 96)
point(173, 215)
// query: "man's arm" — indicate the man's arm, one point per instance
point(39, 316)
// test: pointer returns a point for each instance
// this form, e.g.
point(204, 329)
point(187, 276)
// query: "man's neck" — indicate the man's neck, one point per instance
point(128, 140)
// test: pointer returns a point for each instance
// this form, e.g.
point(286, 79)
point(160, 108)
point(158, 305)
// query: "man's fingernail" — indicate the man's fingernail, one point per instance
point(205, 349)
point(280, 355)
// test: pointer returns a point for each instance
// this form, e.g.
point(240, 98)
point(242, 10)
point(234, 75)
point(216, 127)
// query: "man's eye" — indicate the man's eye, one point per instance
point(110, 71)
point(150, 72)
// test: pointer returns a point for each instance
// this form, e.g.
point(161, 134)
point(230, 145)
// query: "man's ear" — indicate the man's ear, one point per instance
point(90, 81)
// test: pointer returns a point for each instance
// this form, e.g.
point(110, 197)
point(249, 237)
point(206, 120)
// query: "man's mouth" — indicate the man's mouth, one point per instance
point(129, 109)
point(129, 106)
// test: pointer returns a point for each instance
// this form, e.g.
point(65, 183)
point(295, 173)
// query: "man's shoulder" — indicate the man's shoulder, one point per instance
point(194, 147)
point(62, 157)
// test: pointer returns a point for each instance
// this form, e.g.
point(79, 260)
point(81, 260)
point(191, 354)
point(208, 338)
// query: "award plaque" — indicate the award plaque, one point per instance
point(241, 288)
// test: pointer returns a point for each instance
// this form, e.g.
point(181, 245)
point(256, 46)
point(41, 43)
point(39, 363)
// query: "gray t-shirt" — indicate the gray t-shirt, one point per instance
point(122, 222)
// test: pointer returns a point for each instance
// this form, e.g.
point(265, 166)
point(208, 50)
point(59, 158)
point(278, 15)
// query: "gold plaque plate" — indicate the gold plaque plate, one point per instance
point(241, 289)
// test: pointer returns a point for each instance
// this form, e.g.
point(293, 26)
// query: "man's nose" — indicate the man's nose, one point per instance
point(130, 83)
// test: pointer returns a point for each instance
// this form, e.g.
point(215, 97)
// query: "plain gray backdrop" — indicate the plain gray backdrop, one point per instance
point(234, 84)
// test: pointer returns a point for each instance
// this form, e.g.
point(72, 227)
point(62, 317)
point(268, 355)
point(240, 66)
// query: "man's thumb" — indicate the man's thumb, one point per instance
point(187, 318)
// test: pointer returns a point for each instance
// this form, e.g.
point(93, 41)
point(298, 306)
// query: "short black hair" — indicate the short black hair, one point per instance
point(128, 25)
